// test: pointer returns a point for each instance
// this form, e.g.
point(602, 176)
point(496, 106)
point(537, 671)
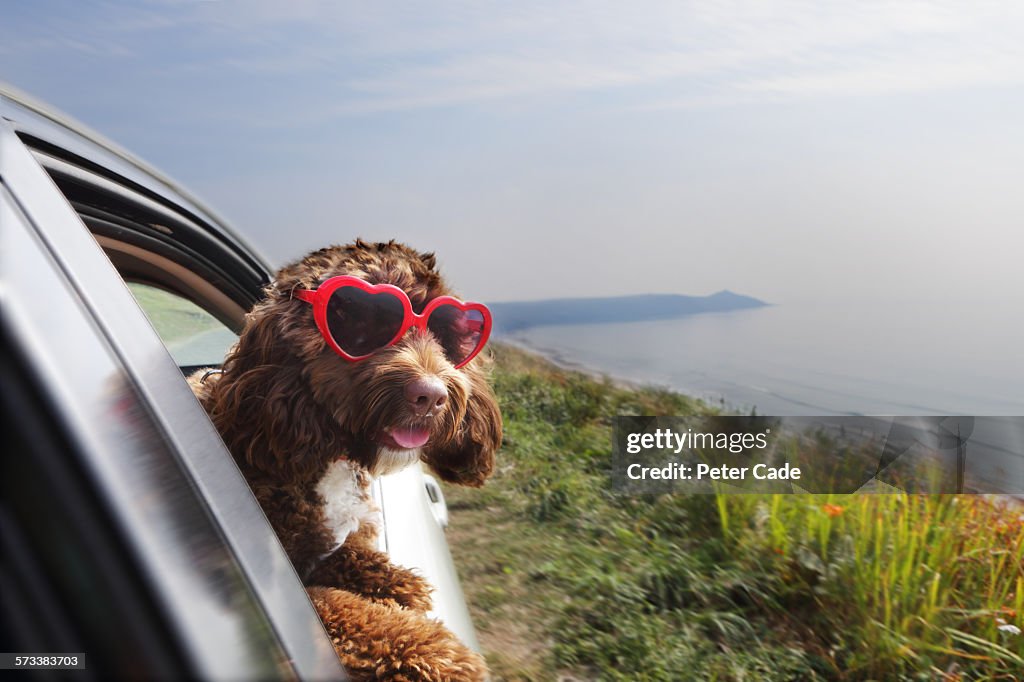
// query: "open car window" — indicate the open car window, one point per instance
point(110, 437)
point(194, 337)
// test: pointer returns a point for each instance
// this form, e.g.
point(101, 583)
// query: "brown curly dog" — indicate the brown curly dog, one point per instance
point(309, 428)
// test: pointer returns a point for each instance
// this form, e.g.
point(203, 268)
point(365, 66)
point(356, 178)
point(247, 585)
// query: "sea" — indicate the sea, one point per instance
point(815, 358)
point(823, 359)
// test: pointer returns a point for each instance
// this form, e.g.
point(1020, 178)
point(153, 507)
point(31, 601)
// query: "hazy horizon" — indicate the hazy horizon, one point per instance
point(796, 151)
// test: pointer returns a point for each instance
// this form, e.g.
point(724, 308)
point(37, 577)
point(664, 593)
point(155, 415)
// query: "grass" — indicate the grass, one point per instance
point(566, 579)
point(896, 584)
point(174, 317)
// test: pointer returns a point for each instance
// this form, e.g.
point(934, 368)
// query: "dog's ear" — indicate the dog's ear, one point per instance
point(468, 459)
point(262, 406)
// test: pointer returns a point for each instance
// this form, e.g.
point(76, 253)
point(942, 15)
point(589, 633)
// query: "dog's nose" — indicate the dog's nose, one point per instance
point(426, 396)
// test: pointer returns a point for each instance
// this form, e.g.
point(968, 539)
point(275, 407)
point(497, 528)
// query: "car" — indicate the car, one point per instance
point(127, 532)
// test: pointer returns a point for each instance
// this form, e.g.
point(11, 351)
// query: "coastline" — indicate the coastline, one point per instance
point(562, 361)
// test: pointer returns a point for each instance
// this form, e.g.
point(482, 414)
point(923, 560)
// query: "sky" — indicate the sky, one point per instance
point(786, 150)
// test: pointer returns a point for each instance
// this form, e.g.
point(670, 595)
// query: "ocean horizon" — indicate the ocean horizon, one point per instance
point(813, 358)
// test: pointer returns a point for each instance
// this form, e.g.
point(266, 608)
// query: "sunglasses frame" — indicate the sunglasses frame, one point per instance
point(321, 296)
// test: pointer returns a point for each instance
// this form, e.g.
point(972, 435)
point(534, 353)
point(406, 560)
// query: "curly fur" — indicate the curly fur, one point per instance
point(289, 408)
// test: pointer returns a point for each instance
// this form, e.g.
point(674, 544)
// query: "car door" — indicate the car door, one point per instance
point(126, 532)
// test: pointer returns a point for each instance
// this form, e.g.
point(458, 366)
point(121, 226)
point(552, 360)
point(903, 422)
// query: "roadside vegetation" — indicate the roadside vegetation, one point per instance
point(173, 317)
point(567, 580)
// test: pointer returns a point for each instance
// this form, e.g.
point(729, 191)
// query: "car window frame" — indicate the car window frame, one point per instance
point(110, 317)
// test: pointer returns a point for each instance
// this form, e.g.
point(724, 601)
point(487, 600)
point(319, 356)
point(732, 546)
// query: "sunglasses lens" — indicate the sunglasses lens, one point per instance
point(361, 322)
point(460, 332)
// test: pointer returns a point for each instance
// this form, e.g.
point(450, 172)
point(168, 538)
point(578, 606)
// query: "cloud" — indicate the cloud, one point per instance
point(375, 57)
point(899, 77)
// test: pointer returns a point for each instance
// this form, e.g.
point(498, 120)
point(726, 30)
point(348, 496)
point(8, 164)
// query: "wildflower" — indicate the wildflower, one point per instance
point(1009, 627)
point(832, 510)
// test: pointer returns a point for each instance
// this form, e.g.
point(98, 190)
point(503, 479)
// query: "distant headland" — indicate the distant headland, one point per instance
point(513, 316)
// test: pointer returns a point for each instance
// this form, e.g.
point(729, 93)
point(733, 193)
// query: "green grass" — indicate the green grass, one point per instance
point(174, 317)
point(898, 584)
point(566, 578)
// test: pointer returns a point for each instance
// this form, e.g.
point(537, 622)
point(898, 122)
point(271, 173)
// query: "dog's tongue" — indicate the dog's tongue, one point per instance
point(410, 437)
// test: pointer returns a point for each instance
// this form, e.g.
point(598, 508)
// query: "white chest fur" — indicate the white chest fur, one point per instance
point(344, 488)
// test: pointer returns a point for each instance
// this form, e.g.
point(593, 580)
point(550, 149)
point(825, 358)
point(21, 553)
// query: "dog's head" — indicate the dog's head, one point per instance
point(402, 402)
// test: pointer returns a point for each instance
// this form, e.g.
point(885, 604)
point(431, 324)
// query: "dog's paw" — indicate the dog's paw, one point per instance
point(370, 573)
point(410, 590)
point(399, 586)
point(377, 641)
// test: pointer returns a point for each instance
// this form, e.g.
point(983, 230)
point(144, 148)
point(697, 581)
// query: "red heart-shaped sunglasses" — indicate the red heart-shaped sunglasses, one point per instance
point(357, 319)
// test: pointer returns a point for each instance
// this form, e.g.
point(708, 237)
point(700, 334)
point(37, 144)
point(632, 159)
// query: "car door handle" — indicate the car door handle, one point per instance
point(437, 504)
